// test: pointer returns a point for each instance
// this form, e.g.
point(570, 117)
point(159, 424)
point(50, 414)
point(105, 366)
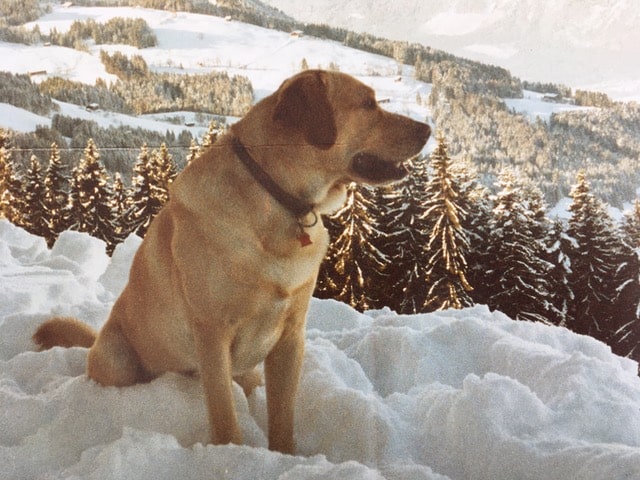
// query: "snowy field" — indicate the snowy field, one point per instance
point(455, 395)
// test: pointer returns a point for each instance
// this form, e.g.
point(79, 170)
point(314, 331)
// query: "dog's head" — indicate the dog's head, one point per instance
point(340, 116)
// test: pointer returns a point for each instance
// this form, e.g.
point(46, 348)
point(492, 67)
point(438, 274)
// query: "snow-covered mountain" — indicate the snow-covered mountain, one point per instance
point(591, 44)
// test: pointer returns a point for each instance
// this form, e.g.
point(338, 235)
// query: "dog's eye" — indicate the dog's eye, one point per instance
point(370, 103)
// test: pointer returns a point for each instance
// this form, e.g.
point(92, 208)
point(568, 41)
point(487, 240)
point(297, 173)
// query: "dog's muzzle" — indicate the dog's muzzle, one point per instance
point(373, 169)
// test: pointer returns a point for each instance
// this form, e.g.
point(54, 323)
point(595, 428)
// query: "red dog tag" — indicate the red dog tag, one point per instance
point(304, 239)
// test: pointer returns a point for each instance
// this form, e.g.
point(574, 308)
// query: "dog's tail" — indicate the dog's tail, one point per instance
point(64, 332)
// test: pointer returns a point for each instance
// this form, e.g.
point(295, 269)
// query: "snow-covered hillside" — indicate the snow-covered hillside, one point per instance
point(455, 395)
point(191, 43)
point(590, 45)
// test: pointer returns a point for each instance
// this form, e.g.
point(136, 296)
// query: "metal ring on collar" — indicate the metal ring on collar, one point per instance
point(313, 223)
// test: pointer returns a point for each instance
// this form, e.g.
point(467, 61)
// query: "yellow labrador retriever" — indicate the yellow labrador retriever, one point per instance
point(223, 278)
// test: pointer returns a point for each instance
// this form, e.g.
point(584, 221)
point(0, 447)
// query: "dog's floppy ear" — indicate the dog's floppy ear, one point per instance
point(303, 105)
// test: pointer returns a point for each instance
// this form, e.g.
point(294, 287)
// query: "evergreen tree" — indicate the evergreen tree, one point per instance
point(165, 171)
point(625, 322)
point(448, 286)
point(91, 197)
point(56, 197)
point(11, 203)
point(194, 151)
point(518, 273)
point(557, 244)
point(474, 200)
point(403, 235)
point(345, 275)
point(120, 206)
point(149, 191)
point(626, 336)
point(210, 136)
point(631, 226)
point(32, 218)
point(593, 262)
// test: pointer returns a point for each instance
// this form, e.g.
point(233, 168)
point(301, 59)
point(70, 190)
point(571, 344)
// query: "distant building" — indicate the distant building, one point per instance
point(92, 107)
point(35, 73)
point(297, 33)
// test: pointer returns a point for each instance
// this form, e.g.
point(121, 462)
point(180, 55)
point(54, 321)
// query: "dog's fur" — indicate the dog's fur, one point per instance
point(221, 282)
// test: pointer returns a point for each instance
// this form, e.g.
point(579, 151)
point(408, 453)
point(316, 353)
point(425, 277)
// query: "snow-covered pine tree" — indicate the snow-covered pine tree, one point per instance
point(345, 276)
point(446, 281)
point(593, 256)
point(557, 244)
point(474, 199)
point(121, 206)
point(625, 322)
point(631, 225)
point(91, 197)
point(518, 273)
point(56, 196)
point(32, 217)
point(626, 336)
point(194, 151)
point(210, 136)
point(145, 201)
point(10, 184)
point(401, 240)
point(165, 171)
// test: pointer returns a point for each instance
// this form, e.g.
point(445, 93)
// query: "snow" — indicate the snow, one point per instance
point(467, 394)
point(20, 120)
point(533, 106)
point(192, 43)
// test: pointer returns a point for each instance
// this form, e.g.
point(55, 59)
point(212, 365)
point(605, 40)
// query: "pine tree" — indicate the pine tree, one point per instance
point(210, 136)
point(474, 200)
point(557, 244)
point(402, 236)
point(626, 336)
point(32, 218)
point(91, 197)
point(448, 286)
point(149, 192)
point(120, 206)
point(518, 274)
point(631, 225)
point(346, 274)
point(593, 263)
point(165, 171)
point(11, 203)
point(56, 197)
point(194, 151)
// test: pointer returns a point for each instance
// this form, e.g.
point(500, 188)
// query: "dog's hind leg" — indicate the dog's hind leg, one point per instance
point(112, 361)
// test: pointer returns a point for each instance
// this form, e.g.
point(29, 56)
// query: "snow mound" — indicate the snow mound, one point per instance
point(465, 394)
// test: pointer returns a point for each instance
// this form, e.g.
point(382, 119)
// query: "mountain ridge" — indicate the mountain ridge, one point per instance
point(588, 46)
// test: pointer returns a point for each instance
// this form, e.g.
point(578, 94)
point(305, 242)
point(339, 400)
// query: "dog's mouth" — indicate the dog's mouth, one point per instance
point(373, 169)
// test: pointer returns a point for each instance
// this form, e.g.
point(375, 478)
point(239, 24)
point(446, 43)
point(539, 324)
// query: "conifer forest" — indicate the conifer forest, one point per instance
point(469, 225)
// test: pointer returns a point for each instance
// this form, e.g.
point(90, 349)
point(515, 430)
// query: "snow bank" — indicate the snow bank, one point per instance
point(461, 394)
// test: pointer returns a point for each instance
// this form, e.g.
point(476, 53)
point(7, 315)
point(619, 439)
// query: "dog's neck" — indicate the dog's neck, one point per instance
point(297, 207)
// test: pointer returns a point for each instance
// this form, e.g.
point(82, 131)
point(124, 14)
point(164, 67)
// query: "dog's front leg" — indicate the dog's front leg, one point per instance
point(214, 356)
point(282, 374)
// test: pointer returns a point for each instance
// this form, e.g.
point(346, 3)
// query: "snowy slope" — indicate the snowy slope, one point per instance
point(455, 395)
point(190, 43)
point(592, 45)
